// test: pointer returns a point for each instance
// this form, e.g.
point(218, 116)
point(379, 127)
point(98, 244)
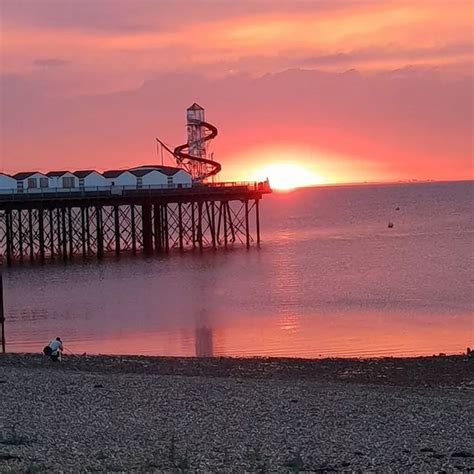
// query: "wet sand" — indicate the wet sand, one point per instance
point(152, 413)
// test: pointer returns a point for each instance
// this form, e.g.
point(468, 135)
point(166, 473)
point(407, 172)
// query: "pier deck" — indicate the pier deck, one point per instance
point(67, 224)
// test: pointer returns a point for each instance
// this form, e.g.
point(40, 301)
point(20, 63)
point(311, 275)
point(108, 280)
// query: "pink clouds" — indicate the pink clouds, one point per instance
point(272, 75)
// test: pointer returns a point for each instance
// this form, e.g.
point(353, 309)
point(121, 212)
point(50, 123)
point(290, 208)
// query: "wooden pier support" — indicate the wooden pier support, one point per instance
point(20, 234)
point(58, 231)
point(2, 313)
point(180, 226)
point(30, 235)
point(117, 230)
point(88, 231)
point(157, 227)
point(62, 229)
point(70, 233)
point(165, 227)
point(257, 219)
point(247, 229)
point(51, 233)
point(64, 233)
point(8, 236)
point(83, 233)
point(193, 225)
point(211, 222)
point(224, 208)
point(147, 229)
point(99, 232)
point(199, 226)
point(133, 229)
point(231, 224)
point(42, 252)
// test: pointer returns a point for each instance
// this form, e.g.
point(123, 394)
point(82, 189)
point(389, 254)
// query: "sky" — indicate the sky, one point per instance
point(319, 91)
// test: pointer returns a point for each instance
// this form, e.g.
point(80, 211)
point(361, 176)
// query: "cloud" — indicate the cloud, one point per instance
point(135, 16)
point(457, 51)
point(125, 38)
point(138, 64)
point(408, 123)
point(51, 62)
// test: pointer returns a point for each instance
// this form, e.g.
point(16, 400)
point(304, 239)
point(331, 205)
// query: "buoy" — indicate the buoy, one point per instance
point(397, 208)
point(390, 225)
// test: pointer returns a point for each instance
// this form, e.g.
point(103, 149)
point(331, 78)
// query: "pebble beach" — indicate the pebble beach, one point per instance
point(155, 414)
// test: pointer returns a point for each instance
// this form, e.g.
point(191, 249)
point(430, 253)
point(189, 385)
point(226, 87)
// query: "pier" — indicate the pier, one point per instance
point(60, 225)
point(63, 215)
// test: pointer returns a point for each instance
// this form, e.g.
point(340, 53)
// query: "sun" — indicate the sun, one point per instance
point(286, 176)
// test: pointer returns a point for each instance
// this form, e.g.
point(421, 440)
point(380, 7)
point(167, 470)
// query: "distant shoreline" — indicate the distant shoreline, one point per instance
point(372, 183)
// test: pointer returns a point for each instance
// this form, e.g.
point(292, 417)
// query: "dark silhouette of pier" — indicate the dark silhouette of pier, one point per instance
point(37, 227)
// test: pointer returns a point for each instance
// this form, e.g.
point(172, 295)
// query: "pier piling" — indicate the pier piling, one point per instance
point(2, 313)
point(46, 226)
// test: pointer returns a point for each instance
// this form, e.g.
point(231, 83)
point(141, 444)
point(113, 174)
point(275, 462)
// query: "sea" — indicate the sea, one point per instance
point(330, 279)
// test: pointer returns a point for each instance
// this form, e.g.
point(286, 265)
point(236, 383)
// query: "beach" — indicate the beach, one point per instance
point(128, 413)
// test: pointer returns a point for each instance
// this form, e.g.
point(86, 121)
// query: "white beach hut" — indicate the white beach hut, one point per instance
point(148, 177)
point(63, 180)
point(121, 178)
point(161, 176)
point(91, 179)
point(32, 182)
point(7, 184)
point(178, 177)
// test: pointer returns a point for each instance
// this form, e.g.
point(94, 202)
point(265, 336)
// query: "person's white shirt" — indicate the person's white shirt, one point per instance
point(55, 345)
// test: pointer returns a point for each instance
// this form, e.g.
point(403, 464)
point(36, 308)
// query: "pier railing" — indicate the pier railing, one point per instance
point(129, 190)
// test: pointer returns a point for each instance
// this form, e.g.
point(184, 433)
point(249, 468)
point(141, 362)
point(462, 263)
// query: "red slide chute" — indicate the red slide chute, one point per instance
point(200, 168)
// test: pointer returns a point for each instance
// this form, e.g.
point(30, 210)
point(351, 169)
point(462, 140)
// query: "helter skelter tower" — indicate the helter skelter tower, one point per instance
point(196, 134)
point(192, 156)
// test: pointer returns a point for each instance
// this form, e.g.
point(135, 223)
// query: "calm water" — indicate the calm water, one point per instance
point(331, 279)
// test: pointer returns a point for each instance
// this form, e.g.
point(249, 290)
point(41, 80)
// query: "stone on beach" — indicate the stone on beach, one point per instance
point(278, 415)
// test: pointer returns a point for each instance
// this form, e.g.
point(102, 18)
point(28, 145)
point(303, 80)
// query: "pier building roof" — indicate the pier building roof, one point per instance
point(142, 170)
point(84, 173)
point(114, 173)
point(139, 173)
point(57, 174)
point(26, 174)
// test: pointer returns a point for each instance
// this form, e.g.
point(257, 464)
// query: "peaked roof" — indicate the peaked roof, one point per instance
point(7, 175)
point(26, 174)
point(84, 173)
point(145, 169)
point(169, 170)
point(114, 173)
point(195, 107)
point(57, 174)
point(139, 173)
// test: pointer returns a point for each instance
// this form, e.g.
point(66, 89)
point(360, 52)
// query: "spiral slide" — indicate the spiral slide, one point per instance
point(210, 167)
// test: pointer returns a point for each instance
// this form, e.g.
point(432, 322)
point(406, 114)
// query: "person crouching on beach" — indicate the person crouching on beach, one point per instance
point(54, 349)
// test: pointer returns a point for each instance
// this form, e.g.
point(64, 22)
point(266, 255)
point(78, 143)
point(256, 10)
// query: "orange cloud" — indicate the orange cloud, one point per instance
point(272, 79)
point(288, 36)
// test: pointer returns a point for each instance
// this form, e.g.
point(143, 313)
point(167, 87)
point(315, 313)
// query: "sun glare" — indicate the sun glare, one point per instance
point(286, 176)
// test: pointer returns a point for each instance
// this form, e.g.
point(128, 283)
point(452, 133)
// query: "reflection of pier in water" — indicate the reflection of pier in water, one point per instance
point(204, 342)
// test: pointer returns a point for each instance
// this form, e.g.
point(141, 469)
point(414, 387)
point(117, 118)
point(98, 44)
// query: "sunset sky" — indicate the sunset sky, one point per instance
point(333, 91)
